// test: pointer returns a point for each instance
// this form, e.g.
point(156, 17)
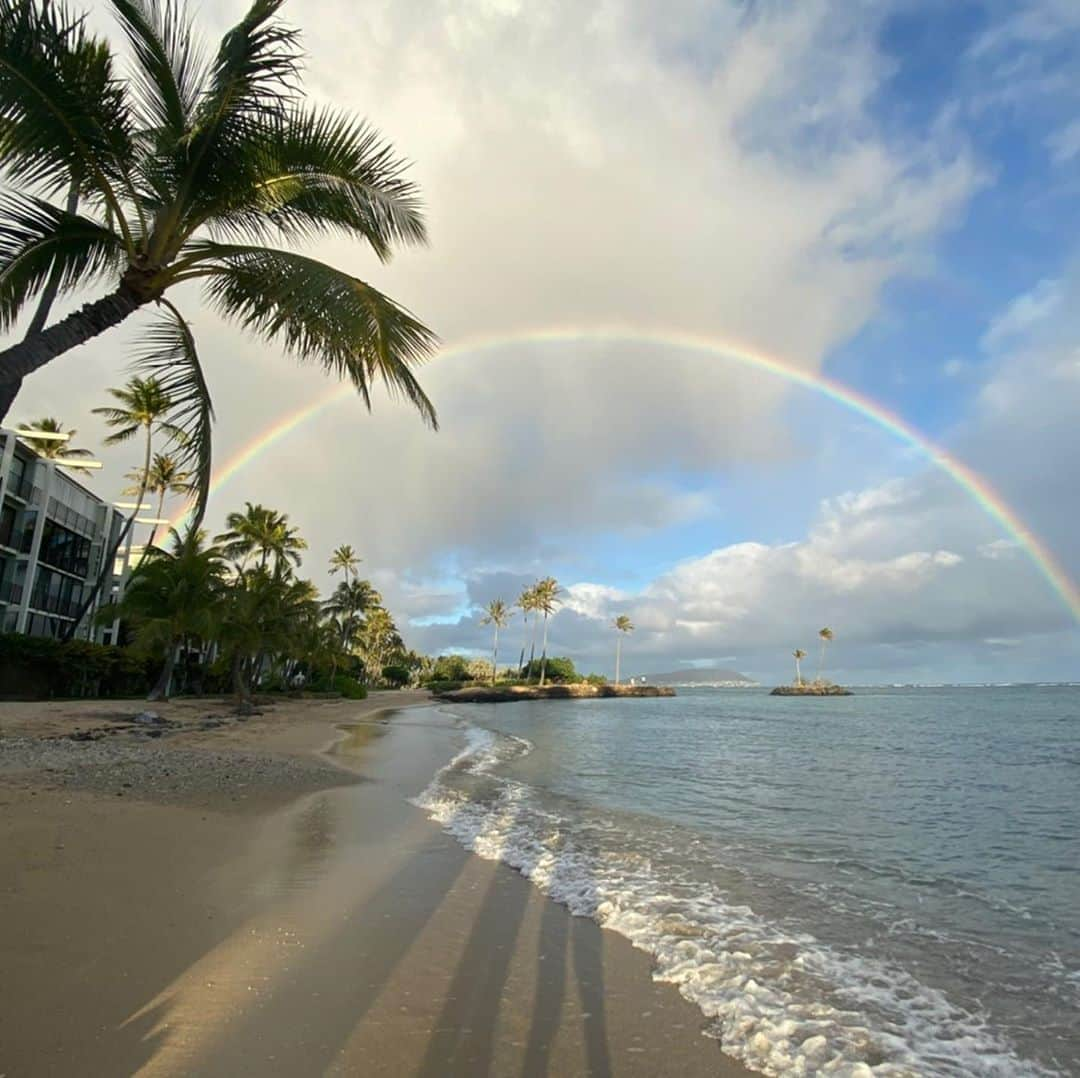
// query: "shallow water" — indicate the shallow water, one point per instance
point(887, 883)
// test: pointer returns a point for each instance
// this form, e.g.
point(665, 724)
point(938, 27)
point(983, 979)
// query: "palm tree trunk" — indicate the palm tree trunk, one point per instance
point(240, 686)
point(161, 690)
point(532, 650)
point(79, 327)
point(543, 656)
point(821, 661)
point(109, 564)
point(10, 390)
point(798, 674)
point(618, 657)
point(495, 657)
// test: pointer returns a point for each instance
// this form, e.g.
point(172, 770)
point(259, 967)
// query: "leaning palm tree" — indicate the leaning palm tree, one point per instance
point(141, 405)
point(826, 636)
point(58, 449)
point(344, 560)
point(799, 656)
point(622, 625)
point(547, 601)
point(183, 168)
point(263, 533)
point(497, 613)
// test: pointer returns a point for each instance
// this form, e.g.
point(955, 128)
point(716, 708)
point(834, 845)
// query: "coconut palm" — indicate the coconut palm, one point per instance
point(344, 560)
point(799, 656)
point(181, 168)
point(142, 405)
point(54, 448)
point(526, 603)
point(171, 600)
point(826, 636)
point(497, 613)
point(348, 603)
point(165, 478)
point(623, 625)
point(379, 639)
point(547, 601)
point(263, 533)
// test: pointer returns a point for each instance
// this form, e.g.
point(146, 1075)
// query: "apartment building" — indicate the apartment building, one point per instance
point(54, 532)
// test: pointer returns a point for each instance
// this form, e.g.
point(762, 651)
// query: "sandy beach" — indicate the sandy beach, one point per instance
point(227, 898)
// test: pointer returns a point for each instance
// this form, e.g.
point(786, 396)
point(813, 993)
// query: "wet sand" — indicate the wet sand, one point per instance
point(339, 932)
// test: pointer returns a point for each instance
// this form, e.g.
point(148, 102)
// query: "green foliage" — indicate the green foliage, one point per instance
point(594, 679)
point(450, 668)
point(350, 688)
point(40, 668)
point(397, 675)
point(559, 670)
point(438, 686)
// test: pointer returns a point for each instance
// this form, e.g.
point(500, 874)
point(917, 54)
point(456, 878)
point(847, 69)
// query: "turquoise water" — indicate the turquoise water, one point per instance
point(887, 883)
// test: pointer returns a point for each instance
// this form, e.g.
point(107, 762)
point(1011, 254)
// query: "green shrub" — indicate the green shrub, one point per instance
point(559, 670)
point(450, 668)
point(596, 679)
point(349, 687)
point(396, 675)
point(39, 668)
point(438, 686)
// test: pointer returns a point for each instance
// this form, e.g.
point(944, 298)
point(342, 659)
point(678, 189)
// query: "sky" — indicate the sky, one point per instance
point(885, 192)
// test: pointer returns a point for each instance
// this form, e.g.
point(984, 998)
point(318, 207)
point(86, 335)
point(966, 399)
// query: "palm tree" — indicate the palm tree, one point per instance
point(344, 560)
point(348, 602)
point(171, 600)
point(379, 638)
point(164, 478)
point(622, 624)
point(499, 615)
point(54, 448)
point(181, 171)
point(262, 532)
point(799, 656)
point(826, 635)
point(547, 601)
point(141, 405)
point(526, 603)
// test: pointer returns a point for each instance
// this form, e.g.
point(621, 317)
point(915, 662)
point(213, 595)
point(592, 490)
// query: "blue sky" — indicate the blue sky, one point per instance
point(885, 191)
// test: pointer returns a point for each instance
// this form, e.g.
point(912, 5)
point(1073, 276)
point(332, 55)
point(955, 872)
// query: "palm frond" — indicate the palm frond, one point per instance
point(253, 75)
point(168, 355)
point(320, 314)
point(62, 111)
point(309, 172)
point(36, 239)
point(170, 67)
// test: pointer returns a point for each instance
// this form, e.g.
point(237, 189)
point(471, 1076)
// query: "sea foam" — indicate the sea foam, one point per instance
point(780, 1001)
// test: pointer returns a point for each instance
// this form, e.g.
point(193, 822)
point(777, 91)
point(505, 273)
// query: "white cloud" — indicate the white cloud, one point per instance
point(1064, 144)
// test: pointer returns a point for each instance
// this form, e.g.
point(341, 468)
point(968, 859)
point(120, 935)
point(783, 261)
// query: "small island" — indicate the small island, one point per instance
point(819, 686)
point(503, 694)
point(811, 689)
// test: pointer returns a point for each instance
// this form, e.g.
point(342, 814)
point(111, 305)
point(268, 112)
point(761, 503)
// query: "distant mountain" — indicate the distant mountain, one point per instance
point(701, 675)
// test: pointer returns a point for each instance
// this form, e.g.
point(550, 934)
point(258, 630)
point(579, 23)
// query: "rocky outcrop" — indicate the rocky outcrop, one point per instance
point(810, 690)
point(503, 694)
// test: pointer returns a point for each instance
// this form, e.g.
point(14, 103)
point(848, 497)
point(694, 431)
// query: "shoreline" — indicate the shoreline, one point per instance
point(310, 914)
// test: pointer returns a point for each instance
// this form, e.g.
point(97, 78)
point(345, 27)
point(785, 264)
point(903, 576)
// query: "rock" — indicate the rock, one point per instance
point(150, 717)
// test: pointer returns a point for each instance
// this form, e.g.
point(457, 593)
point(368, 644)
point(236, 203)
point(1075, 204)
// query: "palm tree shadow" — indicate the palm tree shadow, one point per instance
point(462, 1042)
point(588, 946)
point(347, 972)
point(550, 984)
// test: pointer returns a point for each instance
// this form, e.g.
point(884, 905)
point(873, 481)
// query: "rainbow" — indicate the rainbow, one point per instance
point(975, 485)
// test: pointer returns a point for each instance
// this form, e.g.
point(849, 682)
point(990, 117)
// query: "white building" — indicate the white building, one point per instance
point(54, 533)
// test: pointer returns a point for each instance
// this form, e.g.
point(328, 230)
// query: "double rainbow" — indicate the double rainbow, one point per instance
point(975, 485)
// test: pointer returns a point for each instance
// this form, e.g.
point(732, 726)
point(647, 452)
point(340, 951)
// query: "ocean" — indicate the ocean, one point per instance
point(886, 883)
